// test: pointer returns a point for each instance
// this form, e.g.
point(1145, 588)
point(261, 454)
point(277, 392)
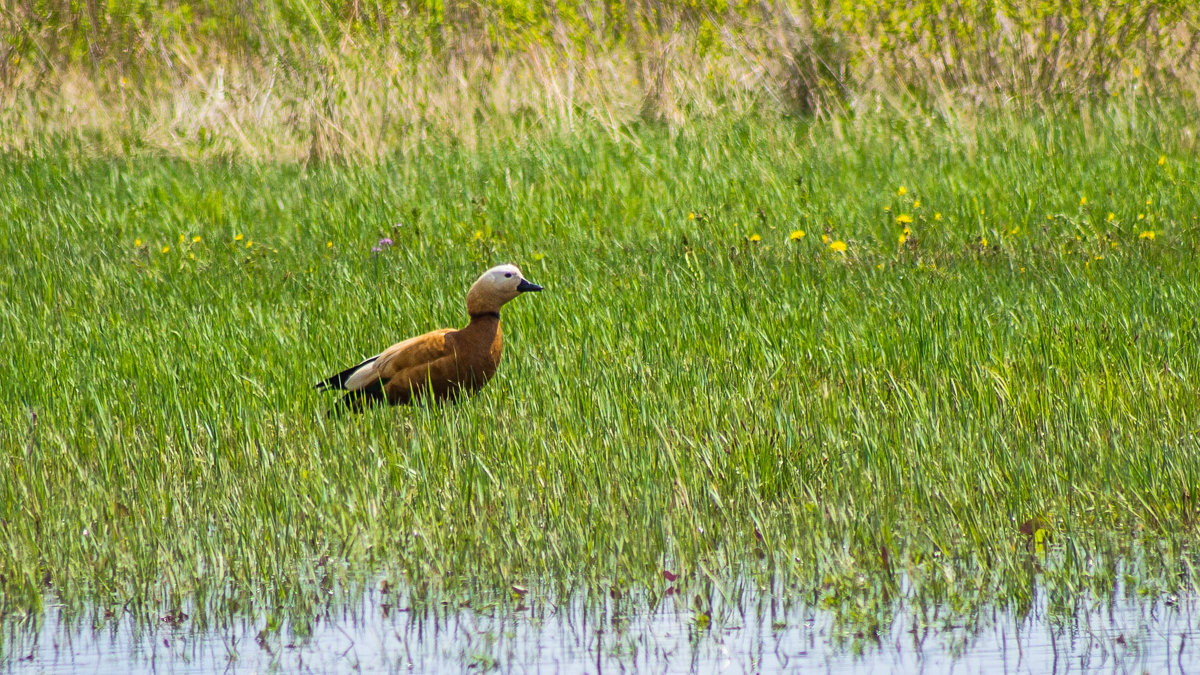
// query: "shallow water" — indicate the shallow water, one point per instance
point(374, 636)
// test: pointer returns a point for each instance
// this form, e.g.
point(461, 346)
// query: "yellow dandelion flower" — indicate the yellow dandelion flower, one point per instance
point(196, 239)
point(839, 246)
point(1014, 230)
point(796, 235)
point(906, 231)
point(755, 238)
point(237, 237)
point(1083, 201)
point(1099, 257)
point(901, 191)
point(1110, 216)
point(1022, 269)
point(1112, 244)
point(538, 256)
point(824, 239)
point(917, 204)
point(983, 242)
point(691, 216)
point(182, 239)
point(137, 243)
point(166, 249)
point(937, 216)
point(879, 266)
point(329, 244)
point(1162, 159)
point(191, 256)
point(902, 238)
point(1141, 216)
point(887, 209)
point(249, 243)
point(478, 235)
point(903, 219)
point(1148, 234)
point(1149, 202)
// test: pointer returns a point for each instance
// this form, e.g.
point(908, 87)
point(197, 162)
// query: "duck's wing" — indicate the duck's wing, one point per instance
point(382, 367)
point(338, 381)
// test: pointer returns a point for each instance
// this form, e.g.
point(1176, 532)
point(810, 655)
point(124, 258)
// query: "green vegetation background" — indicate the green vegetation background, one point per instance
point(815, 329)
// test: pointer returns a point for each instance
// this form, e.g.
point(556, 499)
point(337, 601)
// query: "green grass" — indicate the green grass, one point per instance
point(891, 413)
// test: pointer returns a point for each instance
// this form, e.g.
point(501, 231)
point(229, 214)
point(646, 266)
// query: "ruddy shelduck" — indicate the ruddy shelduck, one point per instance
point(442, 364)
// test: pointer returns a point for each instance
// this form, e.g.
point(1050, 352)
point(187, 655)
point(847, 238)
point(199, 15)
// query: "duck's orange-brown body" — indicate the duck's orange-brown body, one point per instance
point(441, 364)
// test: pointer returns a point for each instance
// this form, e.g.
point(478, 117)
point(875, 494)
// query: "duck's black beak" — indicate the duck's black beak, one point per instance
point(525, 286)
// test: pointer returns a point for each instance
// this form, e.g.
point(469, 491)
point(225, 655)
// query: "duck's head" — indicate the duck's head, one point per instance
point(497, 286)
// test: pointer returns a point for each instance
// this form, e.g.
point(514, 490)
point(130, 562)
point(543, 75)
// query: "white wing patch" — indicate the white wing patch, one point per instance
point(367, 374)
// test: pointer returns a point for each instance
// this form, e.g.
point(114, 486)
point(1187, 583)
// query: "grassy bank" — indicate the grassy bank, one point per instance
point(957, 351)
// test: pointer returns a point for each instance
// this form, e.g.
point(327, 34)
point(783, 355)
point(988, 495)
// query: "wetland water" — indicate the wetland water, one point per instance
point(375, 635)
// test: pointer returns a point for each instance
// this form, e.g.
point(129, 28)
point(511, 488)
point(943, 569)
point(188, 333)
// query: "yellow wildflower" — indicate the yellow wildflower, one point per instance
point(902, 238)
point(1015, 230)
point(329, 244)
point(1162, 159)
point(879, 266)
point(983, 242)
point(906, 231)
point(796, 235)
point(1141, 216)
point(196, 239)
point(937, 216)
point(901, 191)
point(755, 238)
point(137, 243)
point(249, 244)
point(182, 239)
point(691, 216)
point(191, 256)
point(237, 237)
point(165, 249)
point(824, 239)
point(538, 256)
point(1082, 201)
point(1149, 202)
point(1148, 234)
point(917, 204)
point(839, 246)
point(903, 219)
point(1111, 216)
point(478, 235)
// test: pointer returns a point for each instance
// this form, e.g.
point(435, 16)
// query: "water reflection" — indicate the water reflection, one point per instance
point(379, 633)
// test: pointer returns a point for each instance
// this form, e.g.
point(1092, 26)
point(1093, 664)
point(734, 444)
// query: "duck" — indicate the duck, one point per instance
point(443, 364)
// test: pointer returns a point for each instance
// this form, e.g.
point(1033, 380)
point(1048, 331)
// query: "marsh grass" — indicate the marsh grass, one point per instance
point(325, 80)
point(1007, 399)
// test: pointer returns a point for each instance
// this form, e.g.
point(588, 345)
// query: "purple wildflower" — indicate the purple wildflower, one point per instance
point(385, 242)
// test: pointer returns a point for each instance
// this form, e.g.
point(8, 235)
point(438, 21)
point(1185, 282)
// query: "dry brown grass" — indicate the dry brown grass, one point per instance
point(355, 96)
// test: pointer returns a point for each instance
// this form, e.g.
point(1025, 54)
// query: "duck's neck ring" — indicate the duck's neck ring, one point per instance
point(480, 315)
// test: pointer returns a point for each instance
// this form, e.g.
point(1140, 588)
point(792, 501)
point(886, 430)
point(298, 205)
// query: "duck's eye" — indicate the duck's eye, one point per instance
point(508, 275)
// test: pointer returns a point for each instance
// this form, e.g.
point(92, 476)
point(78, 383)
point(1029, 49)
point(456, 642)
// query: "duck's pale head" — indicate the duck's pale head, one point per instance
point(497, 286)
